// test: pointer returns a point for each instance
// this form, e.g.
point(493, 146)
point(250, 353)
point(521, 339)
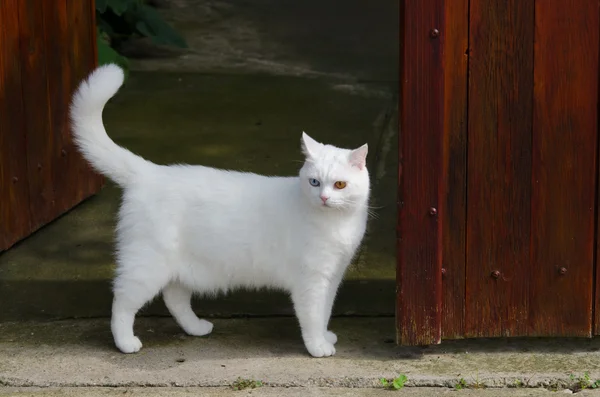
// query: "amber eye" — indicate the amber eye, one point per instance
point(339, 185)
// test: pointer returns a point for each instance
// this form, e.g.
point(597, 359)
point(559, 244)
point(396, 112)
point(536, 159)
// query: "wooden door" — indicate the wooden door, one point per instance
point(46, 48)
point(519, 168)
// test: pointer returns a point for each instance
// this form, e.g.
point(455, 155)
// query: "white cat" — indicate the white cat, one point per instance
point(192, 229)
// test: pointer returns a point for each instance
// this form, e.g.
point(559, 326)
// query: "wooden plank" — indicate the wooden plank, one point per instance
point(455, 165)
point(596, 308)
point(499, 167)
point(421, 174)
point(564, 167)
point(82, 60)
point(93, 32)
point(38, 126)
point(14, 192)
point(60, 89)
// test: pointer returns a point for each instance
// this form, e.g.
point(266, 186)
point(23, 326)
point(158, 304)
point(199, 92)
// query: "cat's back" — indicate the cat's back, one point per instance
point(211, 192)
point(208, 185)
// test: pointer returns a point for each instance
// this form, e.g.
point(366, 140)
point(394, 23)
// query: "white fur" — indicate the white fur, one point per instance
point(193, 229)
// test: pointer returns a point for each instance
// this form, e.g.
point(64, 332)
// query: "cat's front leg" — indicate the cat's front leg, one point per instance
point(328, 308)
point(310, 302)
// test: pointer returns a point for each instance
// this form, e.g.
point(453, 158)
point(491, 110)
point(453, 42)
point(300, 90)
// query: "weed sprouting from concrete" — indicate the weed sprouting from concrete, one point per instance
point(583, 382)
point(394, 384)
point(477, 384)
point(242, 384)
point(521, 383)
point(461, 384)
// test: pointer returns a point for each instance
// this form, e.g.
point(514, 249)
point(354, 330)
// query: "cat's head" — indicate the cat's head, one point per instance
point(334, 178)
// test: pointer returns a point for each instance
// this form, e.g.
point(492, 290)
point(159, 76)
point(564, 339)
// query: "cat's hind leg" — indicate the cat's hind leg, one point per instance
point(132, 290)
point(178, 300)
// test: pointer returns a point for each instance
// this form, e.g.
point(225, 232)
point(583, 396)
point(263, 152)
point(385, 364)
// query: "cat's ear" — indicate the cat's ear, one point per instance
point(310, 147)
point(358, 157)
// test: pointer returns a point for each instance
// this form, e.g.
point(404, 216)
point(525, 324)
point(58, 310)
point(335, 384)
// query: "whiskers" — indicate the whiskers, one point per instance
point(345, 204)
point(372, 213)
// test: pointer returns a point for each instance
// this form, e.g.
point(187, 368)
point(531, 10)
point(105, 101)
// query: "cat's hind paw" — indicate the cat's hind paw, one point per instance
point(320, 348)
point(330, 337)
point(129, 345)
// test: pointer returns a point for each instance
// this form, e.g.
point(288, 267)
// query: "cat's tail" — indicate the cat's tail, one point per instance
point(106, 156)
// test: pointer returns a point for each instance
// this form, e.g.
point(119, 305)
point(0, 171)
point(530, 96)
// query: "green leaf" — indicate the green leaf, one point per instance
point(151, 24)
point(105, 27)
point(119, 19)
point(144, 29)
point(101, 5)
point(399, 382)
point(107, 55)
point(120, 6)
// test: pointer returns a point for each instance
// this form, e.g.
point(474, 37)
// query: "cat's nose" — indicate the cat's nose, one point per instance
point(324, 198)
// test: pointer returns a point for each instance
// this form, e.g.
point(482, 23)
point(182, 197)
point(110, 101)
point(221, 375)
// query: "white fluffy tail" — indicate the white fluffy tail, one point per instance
point(107, 157)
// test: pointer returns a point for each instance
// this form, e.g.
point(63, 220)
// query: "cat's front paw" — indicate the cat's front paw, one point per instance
point(129, 345)
point(320, 348)
point(198, 328)
point(330, 337)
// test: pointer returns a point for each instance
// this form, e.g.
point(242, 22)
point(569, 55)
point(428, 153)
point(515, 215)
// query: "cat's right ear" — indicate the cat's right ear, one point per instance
point(310, 147)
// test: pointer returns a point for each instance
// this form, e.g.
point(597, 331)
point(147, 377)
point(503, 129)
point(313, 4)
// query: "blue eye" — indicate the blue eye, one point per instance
point(314, 182)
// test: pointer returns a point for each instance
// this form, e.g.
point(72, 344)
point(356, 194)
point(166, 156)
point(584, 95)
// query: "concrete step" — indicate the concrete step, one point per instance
point(80, 353)
point(273, 392)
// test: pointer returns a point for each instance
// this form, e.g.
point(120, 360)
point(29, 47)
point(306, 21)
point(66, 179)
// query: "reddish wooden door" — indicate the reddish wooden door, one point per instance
point(519, 168)
point(46, 48)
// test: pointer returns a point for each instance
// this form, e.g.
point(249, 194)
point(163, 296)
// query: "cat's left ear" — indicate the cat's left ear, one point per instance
point(358, 157)
point(310, 147)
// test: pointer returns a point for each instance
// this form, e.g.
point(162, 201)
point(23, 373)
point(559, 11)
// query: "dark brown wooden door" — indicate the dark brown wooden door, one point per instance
point(519, 167)
point(46, 48)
